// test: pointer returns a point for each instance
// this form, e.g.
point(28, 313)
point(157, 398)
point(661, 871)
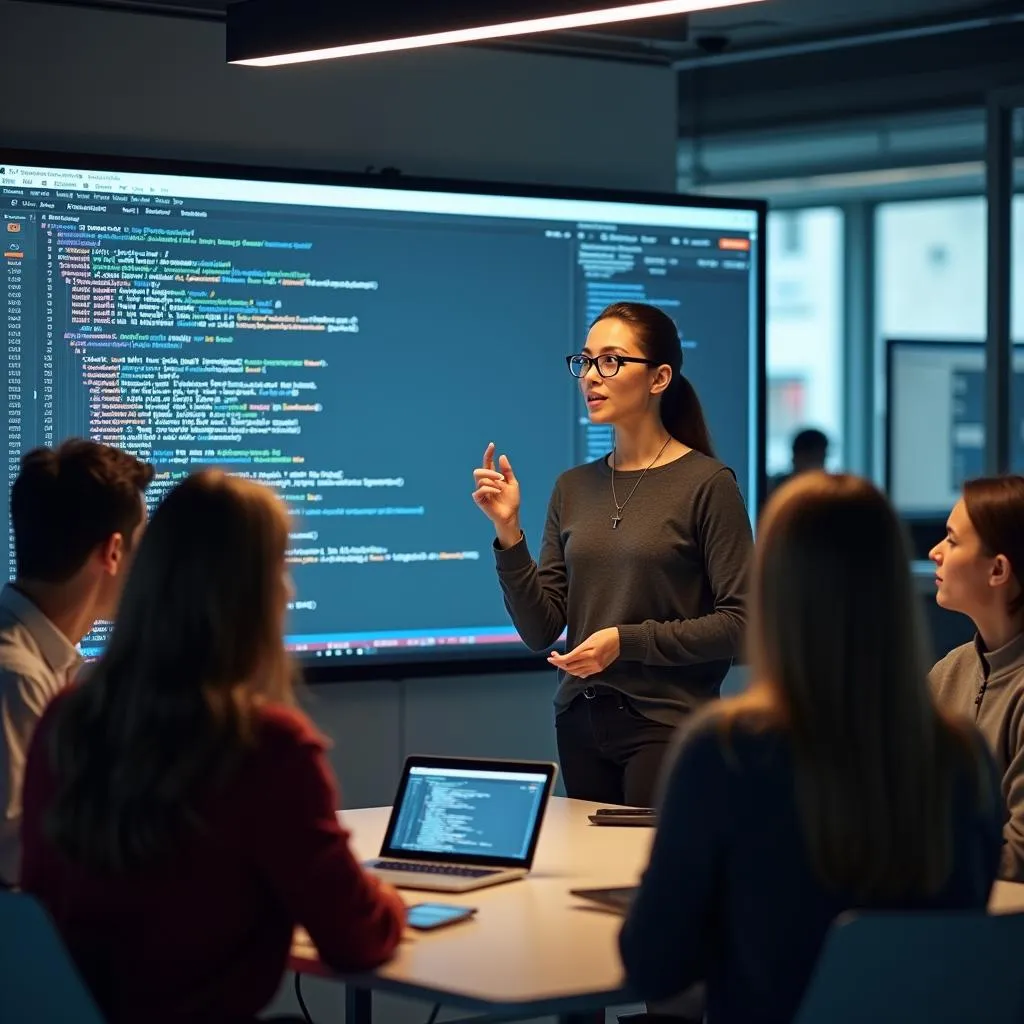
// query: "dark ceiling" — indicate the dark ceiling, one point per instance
point(771, 24)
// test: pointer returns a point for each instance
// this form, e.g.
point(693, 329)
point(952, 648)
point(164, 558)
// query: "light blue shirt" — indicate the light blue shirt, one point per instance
point(36, 662)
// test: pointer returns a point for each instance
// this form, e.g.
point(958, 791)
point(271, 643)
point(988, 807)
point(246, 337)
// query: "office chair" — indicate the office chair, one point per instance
point(932, 968)
point(40, 982)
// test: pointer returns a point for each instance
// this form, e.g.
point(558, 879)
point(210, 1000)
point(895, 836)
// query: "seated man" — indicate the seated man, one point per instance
point(979, 573)
point(76, 513)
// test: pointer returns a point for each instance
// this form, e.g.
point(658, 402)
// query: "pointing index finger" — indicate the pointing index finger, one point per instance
point(489, 456)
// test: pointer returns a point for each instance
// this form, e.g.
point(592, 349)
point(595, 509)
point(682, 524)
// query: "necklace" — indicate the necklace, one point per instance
point(617, 518)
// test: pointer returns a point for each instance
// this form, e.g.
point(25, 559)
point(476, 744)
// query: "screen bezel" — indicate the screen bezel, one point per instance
point(546, 768)
point(466, 662)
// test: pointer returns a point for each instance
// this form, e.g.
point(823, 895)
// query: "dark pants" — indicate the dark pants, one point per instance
point(609, 752)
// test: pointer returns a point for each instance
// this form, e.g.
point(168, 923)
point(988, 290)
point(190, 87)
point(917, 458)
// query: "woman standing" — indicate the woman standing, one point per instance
point(644, 560)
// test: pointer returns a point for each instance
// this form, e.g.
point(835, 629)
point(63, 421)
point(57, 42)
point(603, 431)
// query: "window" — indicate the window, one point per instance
point(805, 331)
point(931, 269)
point(931, 288)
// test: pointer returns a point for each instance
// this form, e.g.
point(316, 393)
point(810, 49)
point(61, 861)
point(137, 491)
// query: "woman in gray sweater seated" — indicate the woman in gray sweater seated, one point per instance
point(978, 573)
point(833, 784)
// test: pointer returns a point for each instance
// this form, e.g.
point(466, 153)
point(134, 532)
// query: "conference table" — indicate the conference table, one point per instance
point(532, 950)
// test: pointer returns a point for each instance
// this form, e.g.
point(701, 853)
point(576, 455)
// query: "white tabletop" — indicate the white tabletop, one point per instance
point(532, 945)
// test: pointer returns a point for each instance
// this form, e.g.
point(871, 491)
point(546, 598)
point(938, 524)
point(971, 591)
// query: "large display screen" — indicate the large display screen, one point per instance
point(355, 344)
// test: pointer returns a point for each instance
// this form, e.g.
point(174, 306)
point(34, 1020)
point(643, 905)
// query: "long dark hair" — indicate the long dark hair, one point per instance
point(658, 338)
point(168, 711)
point(995, 507)
point(839, 660)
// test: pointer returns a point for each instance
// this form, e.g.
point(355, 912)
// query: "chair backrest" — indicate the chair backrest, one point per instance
point(40, 982)
point(932, 968)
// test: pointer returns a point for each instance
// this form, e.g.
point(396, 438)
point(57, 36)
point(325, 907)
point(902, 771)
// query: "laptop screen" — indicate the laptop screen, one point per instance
point(469, 812)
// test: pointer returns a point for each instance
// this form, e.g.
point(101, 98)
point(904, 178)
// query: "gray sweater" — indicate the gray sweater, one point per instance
point(672, 577)
point(988, 687)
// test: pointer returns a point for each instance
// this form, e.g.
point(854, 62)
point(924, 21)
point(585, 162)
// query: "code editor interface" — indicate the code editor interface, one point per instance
point(355, 349)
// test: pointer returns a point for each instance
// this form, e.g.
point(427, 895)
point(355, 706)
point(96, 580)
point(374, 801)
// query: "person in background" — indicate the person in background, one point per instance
point(179, 811)
point(978, 572)
point(834, 783)
point(810, 450)
point(644, 559)
point(76, 514)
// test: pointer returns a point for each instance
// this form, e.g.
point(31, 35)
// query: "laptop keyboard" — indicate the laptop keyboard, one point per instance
point(435, 869)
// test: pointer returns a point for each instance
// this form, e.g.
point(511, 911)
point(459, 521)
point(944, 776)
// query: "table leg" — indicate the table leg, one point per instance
point(358, 1005)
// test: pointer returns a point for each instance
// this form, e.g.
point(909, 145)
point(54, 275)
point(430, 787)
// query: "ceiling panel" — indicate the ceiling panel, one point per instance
point(786, 18)
point(772, 22)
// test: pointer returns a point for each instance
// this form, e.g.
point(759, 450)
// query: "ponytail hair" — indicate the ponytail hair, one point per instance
point(658, 337)
point(683, 416)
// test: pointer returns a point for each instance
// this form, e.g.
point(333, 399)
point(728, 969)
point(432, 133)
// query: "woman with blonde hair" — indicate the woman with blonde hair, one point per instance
point(833, 784)
point(179, 812)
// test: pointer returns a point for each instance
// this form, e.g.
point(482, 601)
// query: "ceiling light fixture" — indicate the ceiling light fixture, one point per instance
point(267, 33)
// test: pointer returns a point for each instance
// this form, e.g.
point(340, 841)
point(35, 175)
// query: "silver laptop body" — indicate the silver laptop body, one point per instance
point(459, 824)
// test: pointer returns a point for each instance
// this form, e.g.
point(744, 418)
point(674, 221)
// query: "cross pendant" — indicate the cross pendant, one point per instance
point(616, 519)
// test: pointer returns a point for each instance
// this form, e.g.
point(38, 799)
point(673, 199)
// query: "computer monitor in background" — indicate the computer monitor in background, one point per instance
point(935, 436)
point(356, 343)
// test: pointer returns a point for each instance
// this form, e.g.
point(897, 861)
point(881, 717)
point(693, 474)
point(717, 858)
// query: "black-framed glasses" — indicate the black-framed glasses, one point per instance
point(608, 364)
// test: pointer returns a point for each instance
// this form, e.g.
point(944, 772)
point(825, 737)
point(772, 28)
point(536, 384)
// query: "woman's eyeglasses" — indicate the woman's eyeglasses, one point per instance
point(607, 364)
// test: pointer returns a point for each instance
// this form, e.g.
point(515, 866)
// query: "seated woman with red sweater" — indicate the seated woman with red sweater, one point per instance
point(179, 812)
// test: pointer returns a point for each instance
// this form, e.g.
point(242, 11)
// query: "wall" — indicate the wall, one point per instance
point(793, 88)
point(92, 80)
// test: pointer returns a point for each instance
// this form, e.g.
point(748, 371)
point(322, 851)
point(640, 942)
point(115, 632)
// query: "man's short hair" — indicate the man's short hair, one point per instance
point(810, 442)
point(68, 500)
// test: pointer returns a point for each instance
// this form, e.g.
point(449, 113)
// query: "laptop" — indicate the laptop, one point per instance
point(617, 899)
point(464, 823)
